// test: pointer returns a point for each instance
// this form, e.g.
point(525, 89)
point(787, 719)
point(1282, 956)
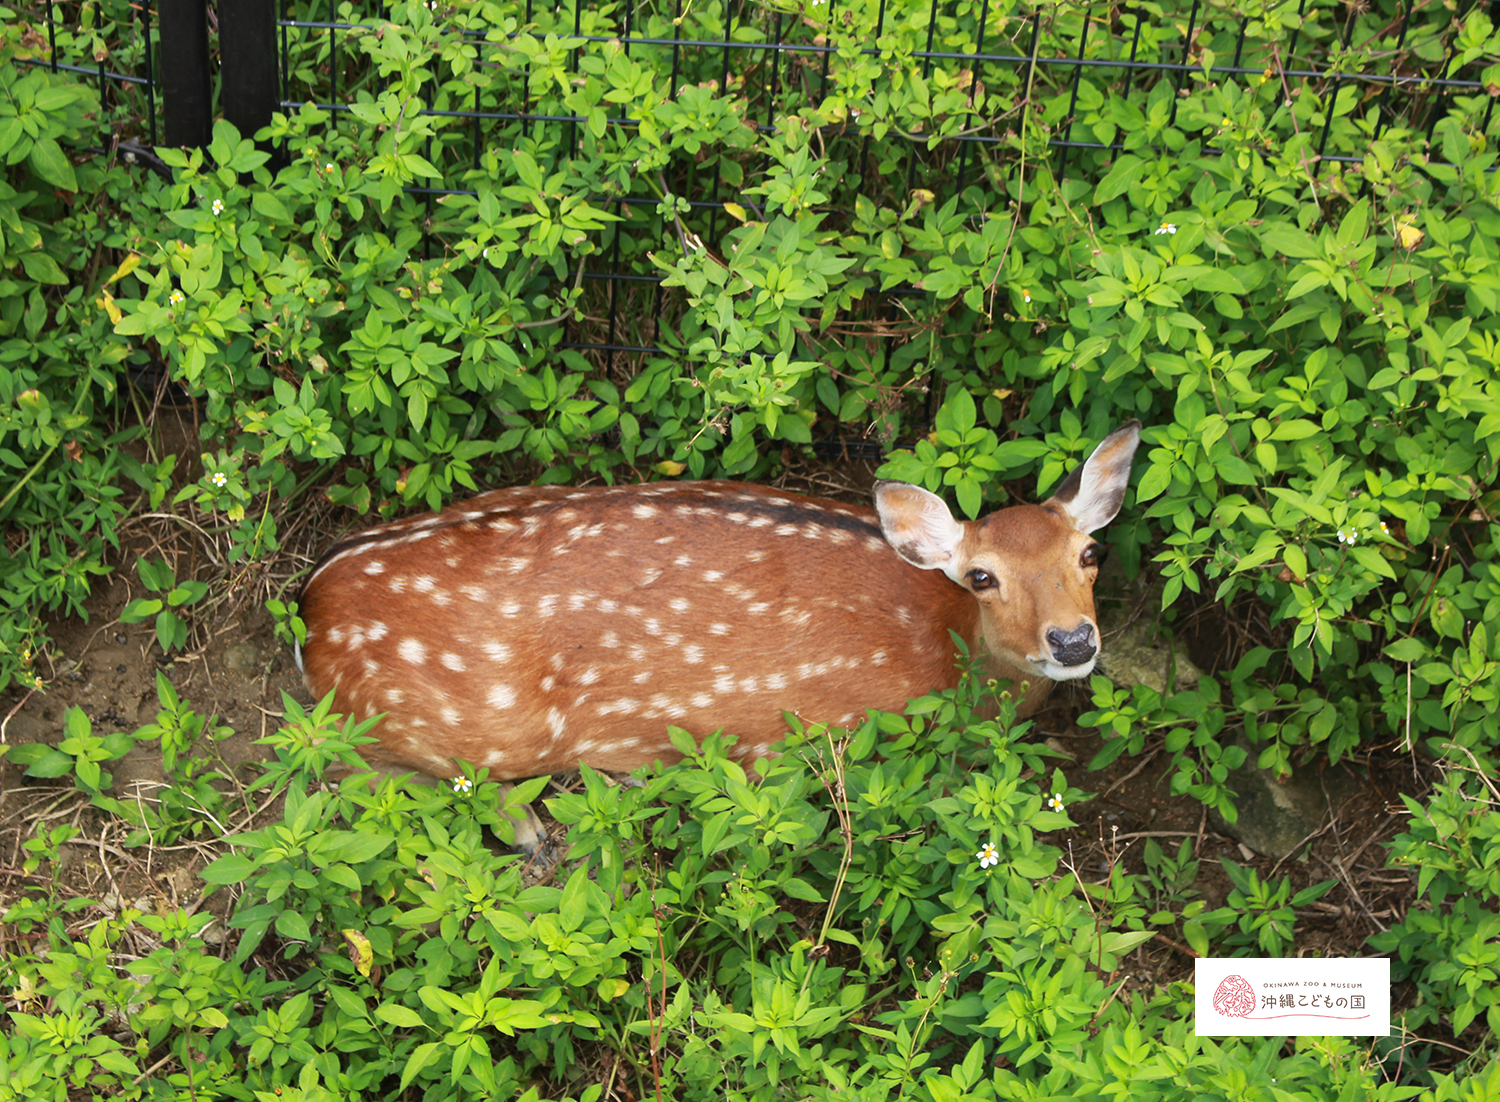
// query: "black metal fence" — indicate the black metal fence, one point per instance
point(185, 58)
point(1070, 79)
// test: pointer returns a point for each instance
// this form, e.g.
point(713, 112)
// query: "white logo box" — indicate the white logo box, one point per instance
point(1292, 997)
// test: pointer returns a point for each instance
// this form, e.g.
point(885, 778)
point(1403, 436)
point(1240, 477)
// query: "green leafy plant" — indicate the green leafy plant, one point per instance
point(158, 577)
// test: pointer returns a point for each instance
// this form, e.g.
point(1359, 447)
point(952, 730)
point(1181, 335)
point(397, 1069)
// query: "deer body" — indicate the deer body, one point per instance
point(530, 629)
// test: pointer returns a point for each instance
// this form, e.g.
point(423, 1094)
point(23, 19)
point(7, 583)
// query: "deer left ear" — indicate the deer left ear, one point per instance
point(919, 526)
point(1092, 494)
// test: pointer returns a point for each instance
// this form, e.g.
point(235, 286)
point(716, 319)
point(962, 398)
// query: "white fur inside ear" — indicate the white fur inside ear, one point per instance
point(919, 526)
point(1092, 494)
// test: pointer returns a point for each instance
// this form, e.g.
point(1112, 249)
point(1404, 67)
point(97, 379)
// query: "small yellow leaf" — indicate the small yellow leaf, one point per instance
point(612, 989)
point(670, 467)
point(107, 303)
point(25, 992)
point(359, 951)
point(128, 265)
point(1408, 235)
point(736, 211)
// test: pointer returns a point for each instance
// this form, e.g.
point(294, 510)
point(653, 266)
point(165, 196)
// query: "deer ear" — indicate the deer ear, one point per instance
point(1092, 494)
point(919, 526)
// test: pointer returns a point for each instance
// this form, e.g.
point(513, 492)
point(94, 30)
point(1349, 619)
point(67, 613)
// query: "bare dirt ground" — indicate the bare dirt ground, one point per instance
point(234, 669)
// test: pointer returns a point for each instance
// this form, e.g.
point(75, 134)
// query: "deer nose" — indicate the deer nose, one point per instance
point(1073, 648)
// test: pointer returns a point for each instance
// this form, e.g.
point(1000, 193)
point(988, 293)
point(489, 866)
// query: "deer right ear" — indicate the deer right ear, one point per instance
point(919, 526)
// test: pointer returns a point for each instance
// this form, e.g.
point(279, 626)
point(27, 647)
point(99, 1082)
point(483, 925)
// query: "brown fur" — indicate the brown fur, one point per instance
point(533, 628)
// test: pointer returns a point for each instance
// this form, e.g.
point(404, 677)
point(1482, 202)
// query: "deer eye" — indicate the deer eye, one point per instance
point(1094, 555)
point(980, 580)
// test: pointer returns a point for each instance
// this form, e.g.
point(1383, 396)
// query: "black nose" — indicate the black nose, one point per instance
point(1073, 648)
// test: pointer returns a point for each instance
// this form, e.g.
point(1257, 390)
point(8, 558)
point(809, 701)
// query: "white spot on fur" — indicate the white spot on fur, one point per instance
point(452, 717)
point(713, 576)
point(776, 682)
point(496, 651)
point(786, 529)
point(589, 676)
point(546, 605)
point(474, 593)
point(642, 677)
point(501, 697)
point(376, 632)
point(510, 608)
point(703, 700)
point(548, 684)
point(413, 650)
point(624, 706)
point(610, 639)
point(718, 629)
point(454, 662)
point(644, 512)
point(373, 568)
point(724, 683)
point(756, 556)
point(679, 604)
point(606, 605)
point(556, 722)
point(650, 576)
point(494, 757)
point(424, 584)
point(692, 654)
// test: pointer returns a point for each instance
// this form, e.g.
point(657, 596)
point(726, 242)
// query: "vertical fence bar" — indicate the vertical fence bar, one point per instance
point(247, 63)
point(963, 154)
point(150, 71)
point(1083, 42)
point(186, 97)
point(1187, 49)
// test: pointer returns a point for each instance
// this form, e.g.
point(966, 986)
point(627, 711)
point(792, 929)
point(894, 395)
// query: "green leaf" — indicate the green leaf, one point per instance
point(52, 164)
point(232, 868)
point(398, 1015)
point(1124, 172)
point(42, 268)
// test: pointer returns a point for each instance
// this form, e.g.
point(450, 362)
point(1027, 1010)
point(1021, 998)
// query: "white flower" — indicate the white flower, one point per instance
point(329, 167)
point(463, 786)
point(219, 479)
point(218, 206)
point(1056, 801)
point(176, 298)
point(1026, 295)
point(1348, 537)
point(988, 855)
point(1165, 227)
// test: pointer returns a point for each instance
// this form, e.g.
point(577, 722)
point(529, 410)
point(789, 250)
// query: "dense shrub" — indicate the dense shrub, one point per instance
point(402, 311)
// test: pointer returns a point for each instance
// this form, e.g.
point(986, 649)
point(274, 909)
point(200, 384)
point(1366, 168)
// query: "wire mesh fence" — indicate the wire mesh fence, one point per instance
point(1001, 91)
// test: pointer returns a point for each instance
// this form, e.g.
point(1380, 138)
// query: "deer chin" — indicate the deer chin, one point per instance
point(1054, 671)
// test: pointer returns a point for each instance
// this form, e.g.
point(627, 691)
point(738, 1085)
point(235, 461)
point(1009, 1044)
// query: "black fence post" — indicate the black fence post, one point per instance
point(247, 63)
point(187, 100)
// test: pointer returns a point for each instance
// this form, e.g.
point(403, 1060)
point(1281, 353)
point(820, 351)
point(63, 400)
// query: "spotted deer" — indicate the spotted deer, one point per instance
point(530, 629)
